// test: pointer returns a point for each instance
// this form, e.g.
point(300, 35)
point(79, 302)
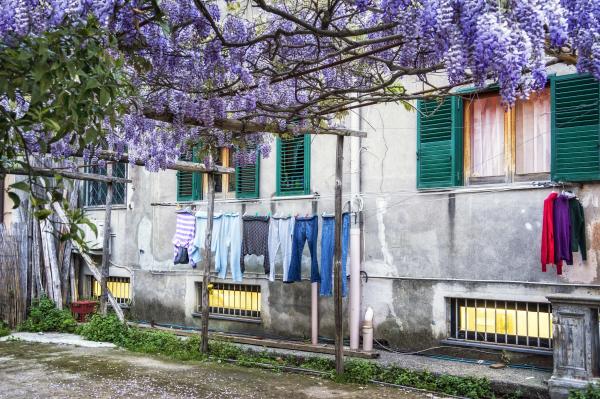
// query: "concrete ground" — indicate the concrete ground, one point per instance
point(46, 370)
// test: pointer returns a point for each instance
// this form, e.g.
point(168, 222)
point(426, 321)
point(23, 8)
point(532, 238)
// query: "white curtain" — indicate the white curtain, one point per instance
point(487, 137)
point(533, 134)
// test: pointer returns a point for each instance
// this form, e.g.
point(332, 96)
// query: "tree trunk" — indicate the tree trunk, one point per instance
point(106, 245)
point(51, 263)
point(337, 270)
point(68, 249)
point(207, 260)
point(36, 270)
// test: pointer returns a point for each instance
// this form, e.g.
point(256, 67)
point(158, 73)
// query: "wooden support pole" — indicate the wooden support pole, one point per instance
point(88, 260)
point(104, 271)
point(337, 269)
point(181, 166)
point(48, 172)
point(210, 210)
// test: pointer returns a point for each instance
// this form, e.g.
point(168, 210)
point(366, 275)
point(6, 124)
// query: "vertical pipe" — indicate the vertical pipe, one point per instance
point(210, 210)
point(314, 313)
point(355, 258)
point(337, 270)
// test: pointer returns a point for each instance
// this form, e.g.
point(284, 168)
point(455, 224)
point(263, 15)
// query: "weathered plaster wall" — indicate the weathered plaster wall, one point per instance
point(420, 248)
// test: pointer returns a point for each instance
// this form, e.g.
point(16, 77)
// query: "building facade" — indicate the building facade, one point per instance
point(451, 221)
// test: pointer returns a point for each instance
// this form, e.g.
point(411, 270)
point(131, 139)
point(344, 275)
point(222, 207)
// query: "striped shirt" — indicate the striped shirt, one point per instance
point(185, 230)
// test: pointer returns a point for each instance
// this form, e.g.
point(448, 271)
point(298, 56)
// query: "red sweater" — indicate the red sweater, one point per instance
point(548, 234)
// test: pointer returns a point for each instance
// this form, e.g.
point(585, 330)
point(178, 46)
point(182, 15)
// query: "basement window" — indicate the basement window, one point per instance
point(120, 287)
point(231, 301)
point(523, 324)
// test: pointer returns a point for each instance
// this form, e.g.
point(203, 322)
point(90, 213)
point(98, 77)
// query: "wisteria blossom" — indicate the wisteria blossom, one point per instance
point(300, 65)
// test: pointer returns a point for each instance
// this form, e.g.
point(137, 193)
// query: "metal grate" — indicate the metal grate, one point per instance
point(95, 191)
point(232, 300)
point(120, 287)
point(527, 324)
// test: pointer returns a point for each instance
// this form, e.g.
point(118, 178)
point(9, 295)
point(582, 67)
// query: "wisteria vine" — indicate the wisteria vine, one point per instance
point(304, 64)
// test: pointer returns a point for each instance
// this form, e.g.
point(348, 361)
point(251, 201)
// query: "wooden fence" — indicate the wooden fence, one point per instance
point(14, 295)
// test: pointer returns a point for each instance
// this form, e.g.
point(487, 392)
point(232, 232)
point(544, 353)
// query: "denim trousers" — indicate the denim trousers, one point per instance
point(327, 253)
point(305, 229)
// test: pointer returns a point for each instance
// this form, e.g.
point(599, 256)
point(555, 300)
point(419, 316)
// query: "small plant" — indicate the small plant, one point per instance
point(104, 328)
point(360, 371)
point(505, 356)
point(591, 392)
point(44, 316)
point(4, 330)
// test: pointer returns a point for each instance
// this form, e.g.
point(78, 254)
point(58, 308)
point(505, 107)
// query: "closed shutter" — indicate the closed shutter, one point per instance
point(246, 180)
point(575, 128)
point(189, 184)
point(439, 143)
point(293, 165)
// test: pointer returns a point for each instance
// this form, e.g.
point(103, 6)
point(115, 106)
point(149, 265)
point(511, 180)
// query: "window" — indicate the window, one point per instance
point(553, 134)
point(246, 179)
point(293, 165)
point(120, 287)
point(232, 301)
point(189, 184)
point(501, 322)
point(505, 145)
point(95, 191)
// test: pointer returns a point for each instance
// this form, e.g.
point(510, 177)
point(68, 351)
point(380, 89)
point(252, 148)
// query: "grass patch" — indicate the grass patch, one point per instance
point(44, 316)
point(109, 328)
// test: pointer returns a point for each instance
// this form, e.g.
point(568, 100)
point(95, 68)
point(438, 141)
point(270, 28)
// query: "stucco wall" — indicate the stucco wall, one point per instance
point(420, 248)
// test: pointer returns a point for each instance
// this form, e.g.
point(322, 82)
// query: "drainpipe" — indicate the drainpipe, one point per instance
point(314, 313)
point(355, 258)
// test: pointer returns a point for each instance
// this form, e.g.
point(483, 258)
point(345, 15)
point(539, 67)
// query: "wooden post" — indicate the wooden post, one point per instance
point(60, 212)
point(210, 210)
point(104, 270)
point(337, 269)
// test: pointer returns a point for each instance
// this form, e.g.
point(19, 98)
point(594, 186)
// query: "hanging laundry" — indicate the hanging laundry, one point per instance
point(185, 228)
point(548, 233)
point(327, 253)
point(562, 232)
point(305, 229)
point(255, 239)
point(229, 247)
point(577, 217)
point(197, 252)
point(281, 230)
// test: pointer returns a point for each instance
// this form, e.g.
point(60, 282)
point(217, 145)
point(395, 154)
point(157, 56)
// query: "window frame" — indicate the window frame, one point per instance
point(88, 183)
point(510, 146)
point(306, 169)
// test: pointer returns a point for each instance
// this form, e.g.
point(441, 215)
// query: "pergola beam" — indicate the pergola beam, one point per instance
point(182, 166)
point(49, 172)
point(248, 127)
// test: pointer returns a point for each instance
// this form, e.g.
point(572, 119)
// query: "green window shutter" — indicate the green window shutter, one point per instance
point(439, 143)
point(246, 180)
point(575, 128)
point(293, 165)
point(189, 184)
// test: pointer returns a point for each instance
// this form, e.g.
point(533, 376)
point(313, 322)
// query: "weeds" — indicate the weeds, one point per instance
point(4, 330)
point(44, 316)
point(591, 392)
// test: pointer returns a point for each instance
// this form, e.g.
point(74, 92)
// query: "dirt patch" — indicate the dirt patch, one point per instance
point(52, 371)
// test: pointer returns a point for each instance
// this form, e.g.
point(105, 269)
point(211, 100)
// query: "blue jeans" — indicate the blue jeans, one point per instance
point(327, 253)
point(305, 228)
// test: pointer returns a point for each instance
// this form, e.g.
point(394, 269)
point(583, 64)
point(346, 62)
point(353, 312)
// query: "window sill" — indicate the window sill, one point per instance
point(294, 197)
point(103, 207)
point(499, 347)
point(229, 318)
point(532, 185)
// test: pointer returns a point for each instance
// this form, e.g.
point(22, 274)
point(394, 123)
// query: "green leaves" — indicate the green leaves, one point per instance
point(15, 199)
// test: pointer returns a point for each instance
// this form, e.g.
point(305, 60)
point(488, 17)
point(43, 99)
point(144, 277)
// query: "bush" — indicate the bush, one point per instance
point(591, 392)
point(4, 330)
point(44, 316)
point(104, 328)
point(360, 371)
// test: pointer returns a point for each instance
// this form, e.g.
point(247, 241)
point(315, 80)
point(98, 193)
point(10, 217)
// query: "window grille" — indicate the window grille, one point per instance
point(232, 300)
point(120, 287)
point(527, 324)
point(95, 191)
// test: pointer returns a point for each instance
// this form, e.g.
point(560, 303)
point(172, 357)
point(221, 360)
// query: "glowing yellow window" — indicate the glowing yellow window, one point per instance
point(502, 322)
point(232, 300)
point(120, 287)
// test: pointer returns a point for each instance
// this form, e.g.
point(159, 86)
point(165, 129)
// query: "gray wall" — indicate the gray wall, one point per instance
point(420, 248)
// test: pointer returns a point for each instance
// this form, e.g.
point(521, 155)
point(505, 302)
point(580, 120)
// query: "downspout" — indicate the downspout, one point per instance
point(355, 247)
